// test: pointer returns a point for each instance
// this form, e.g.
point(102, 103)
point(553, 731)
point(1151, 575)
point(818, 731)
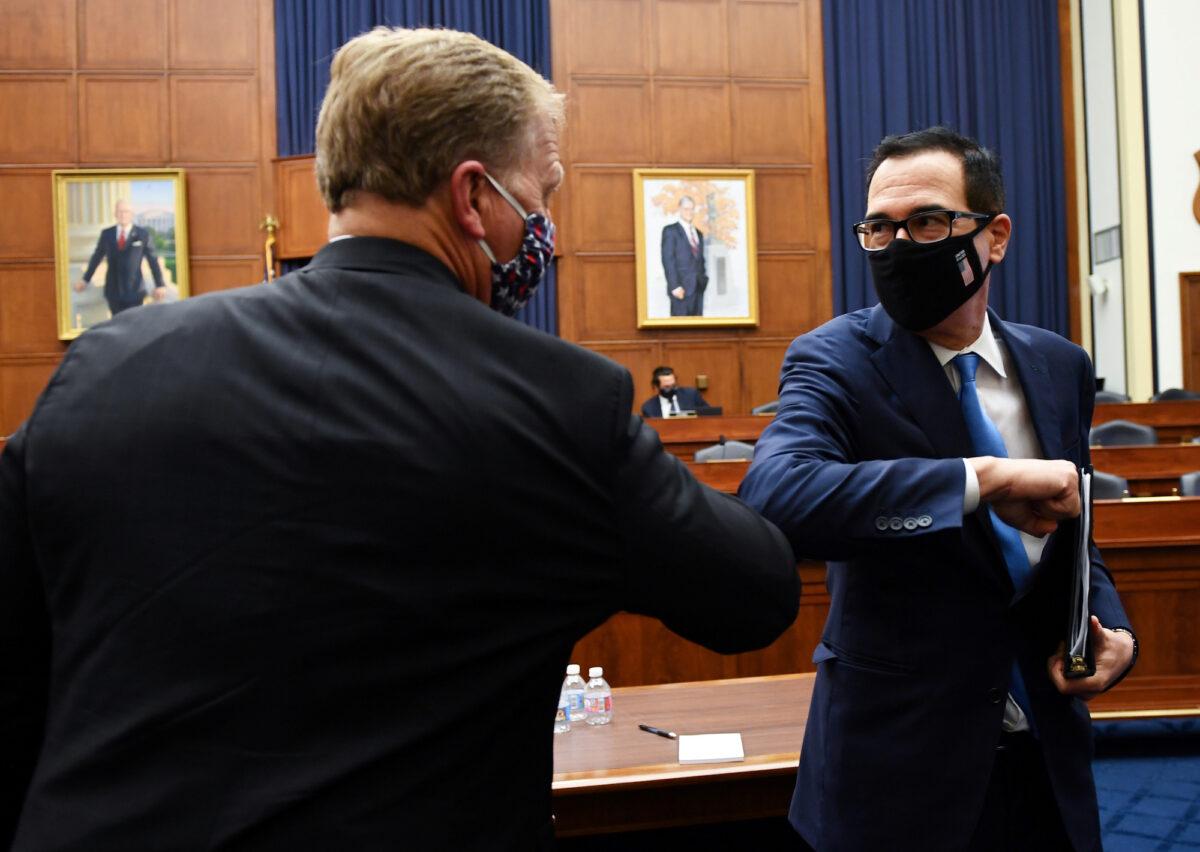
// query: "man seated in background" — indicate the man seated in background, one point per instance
point(300, 566)
point(670, 397)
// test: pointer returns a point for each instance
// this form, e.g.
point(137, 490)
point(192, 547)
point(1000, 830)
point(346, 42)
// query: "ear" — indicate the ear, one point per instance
point(999, 231)
point(467, 197)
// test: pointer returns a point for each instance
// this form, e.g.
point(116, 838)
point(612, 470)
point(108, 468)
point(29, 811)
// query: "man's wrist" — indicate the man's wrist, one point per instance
point(1132, 659)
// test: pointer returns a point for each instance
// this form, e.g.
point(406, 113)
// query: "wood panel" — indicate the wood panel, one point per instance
point(608, 296)
point(605, 37)
point(21, 381)
point(214, 119)
point(770, 39)
point(27, 317)
point(223, 211)
point(691, 39)
point(639, 359)
point(303, 219)
point(779, 195)
point(122, 34)
point(703, 137)
point(1175, 421)
point(760, 372)
point(121, 119)
point(39, 119)
point(774, 123)
point(595, 134)
point(38, 34)
point(27, 228)
point(214, 34)
point(598, 194)
point(1189, 322)
point(212, 274)
point(1151, 471)
point(791, 298)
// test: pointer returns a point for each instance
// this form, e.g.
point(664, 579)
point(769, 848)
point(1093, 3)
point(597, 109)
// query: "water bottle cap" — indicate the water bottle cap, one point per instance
point(596, 671)
point(573, 669)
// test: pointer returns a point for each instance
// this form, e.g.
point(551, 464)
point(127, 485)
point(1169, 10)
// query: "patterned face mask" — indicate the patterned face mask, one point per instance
point(514, 282)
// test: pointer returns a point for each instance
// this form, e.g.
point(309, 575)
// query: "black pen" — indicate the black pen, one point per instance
point(671, 735)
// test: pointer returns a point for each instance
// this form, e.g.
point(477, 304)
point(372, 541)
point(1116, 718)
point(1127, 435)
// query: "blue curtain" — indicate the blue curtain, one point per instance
point(308, 32)
point(987, 68)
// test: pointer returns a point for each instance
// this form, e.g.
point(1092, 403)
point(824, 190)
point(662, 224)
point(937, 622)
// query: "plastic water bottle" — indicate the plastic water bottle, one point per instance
point(572, 690)
point(562, 722)
point(597, 698)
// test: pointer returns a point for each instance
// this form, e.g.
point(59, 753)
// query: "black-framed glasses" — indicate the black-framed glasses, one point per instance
point(928, 226)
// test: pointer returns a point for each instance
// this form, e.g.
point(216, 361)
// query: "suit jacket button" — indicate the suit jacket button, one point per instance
point(995, 695)
point(881, 523)
point(925, 521)
point(910, 524)
point(896, 524)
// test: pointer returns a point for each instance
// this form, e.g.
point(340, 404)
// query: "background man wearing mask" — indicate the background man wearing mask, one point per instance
point(940, 718)
point(669, 396)
point(315, 553)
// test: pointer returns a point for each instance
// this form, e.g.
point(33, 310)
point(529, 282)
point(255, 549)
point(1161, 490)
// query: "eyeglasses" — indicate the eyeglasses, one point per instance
point(929, 226)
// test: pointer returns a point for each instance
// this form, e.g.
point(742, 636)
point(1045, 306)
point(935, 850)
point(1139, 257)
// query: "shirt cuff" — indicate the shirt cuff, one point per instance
point(971, 491)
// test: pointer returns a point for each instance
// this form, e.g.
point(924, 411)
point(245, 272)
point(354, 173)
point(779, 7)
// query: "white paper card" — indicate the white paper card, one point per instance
point(710, 748)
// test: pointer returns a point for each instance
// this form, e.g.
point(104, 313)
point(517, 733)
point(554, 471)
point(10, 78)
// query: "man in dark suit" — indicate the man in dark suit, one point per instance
point(124, 246)
point(300, 566)
point(683, 262)
point(670, 397)
point(940, 718)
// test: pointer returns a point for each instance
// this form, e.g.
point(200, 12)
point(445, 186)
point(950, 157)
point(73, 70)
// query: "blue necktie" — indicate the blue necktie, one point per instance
point(987, 441)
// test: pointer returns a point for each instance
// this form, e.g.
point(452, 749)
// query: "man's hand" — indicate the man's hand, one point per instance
point(678, 293)
point(1113, 650)
point(160, 293)
point(1032, 495)
point(80, 285)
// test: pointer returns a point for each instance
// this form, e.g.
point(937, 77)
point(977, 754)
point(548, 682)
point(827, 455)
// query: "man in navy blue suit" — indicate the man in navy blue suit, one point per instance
point(124, 245)
point(670, 397)
point(683, 262)
point(940, 716)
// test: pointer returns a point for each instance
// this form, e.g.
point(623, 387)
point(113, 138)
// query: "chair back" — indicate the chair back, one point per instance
point(1111, 396)
point(766, 408)
point(1109, 486)
point(1189, 484)
point(1117, 433)
point(1174, 395)
point(725, 450)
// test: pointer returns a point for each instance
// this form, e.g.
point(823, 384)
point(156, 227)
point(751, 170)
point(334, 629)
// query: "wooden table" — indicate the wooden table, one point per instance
point(682, 436)
point(619, 778)
point(1152, 470)
point(1175, 421)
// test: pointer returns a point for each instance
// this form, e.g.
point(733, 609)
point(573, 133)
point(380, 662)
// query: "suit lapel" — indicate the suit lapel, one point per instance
point(910, 368)
point(1034, 375)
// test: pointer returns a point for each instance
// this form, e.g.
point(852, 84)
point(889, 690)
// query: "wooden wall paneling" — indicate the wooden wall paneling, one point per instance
point(792, 299)
point(603, 36)
point(769, 39)
point(691, 38)
point(28, 322)
point(608, 297)
point(639, 359)
point(211, 274)
point(773, 123)
point(600, 197)
point(691, 122)
point(38, 34)
point(27, 227)
point(303, 219)
point(39, 119)
point(122, 118)
point(21, 381)
point(611, 121)
point(786, 209)
point(1189, 315)
point(214, 34)
point(122, 34)
point(214, 119)
point(223, 211)
point(761, 360)
point(717, 359)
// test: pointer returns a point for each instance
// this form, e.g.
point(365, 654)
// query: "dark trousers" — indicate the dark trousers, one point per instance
point(1019, 812)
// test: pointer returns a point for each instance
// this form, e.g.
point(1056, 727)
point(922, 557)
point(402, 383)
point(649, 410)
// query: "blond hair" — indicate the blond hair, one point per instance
point(405, 107)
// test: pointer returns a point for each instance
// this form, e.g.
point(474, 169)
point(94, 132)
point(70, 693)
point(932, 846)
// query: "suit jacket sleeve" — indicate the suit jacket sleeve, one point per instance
point(24, 643)
point(652, 407)
point(670, 268)
point(708, 566)
point(151, 257)
point(808, 479)
point(97, 256)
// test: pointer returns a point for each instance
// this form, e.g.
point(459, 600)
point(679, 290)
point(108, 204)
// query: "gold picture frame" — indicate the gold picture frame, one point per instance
point(697, 263)
point(99, 270)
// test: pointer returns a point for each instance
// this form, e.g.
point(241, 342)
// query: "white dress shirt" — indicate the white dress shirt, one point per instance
point(669, 406)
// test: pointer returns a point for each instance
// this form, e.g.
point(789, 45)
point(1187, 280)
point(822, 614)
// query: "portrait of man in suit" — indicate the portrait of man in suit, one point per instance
point(683, 262)
point(929, 451)
point(124, 246)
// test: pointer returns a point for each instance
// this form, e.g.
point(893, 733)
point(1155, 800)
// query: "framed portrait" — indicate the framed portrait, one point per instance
point(120, 242)
point(696, 258)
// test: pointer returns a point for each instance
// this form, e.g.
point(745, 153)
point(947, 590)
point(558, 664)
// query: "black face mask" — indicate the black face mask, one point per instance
point(920, 284)
point(667, 393)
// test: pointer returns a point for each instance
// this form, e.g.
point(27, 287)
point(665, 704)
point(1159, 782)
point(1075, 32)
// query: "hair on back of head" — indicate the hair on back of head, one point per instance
point(405, 106)
point(982, 180)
